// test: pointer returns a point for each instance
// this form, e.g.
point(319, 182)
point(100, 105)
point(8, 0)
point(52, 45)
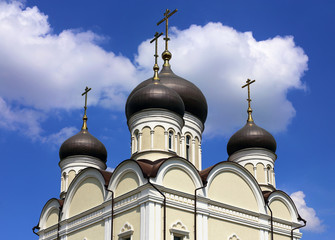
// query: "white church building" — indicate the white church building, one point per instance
point(162, 192)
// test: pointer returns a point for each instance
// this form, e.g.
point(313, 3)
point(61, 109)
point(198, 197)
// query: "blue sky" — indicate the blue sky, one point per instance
point(50, 50)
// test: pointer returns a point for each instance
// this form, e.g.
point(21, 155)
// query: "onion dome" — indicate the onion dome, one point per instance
point(83, 143)
point(251, 136)
point(154, 95)
point(194, 100)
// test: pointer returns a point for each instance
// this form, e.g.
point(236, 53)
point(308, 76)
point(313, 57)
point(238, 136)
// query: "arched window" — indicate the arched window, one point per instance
point(188, 147)
point(64, 182)
point(137, 141)
point(268, 172)
point(170, 140)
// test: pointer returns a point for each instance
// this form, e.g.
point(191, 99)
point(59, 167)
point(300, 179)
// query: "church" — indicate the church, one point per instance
point(161, 192)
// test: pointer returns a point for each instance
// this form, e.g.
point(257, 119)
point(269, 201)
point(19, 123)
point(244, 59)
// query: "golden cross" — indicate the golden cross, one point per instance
point(157, 35)
point(156, 67)
point(167, 14)
point(85, 107)
point(249, 99)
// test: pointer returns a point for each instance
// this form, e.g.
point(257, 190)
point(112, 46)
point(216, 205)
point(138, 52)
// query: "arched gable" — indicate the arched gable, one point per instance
point(85, 192)
point(50, 213)
point(232, 184)
point(176, 170)
point(283, 207)
point(127, 176)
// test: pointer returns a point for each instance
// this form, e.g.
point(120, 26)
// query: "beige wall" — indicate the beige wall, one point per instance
point(250, 168)
point(92, 232)
point(71, 176)
point(173, 179)
point(128, 182)
point(159, 138)
point(280, 237)
point(224, 229)
point(146, 139)
point(230, 188)
point(133, 217)
point(88, 195)
point(260, 173)
point(175, 215)
point(196, 153)
point(280, 210)
point(52, 218)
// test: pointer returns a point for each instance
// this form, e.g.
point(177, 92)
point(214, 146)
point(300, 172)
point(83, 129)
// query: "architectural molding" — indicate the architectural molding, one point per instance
point(234, 237)
point(179, 229)
point(126, 231)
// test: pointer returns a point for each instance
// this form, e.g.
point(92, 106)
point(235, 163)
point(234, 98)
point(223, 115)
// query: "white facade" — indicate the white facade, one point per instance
point(233, 209)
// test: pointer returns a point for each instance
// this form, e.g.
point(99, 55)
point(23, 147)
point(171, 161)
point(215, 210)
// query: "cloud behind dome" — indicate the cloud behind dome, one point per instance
point(40, 71)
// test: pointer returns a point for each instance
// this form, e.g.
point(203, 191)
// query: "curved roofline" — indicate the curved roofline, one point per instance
point(268, 194)
point(204, 173)
point(59, 201)
point(252, 180)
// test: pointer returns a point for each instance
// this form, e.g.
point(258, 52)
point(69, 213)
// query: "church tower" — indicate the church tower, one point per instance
point(158, 123)
point(80, 151)
point(254, 148)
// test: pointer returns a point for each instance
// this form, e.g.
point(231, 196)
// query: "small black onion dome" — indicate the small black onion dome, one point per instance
point(251, 136)
point(154, 95)
point(83, 143)
point(194, 100)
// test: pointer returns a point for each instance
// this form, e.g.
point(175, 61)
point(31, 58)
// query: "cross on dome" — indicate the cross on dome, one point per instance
point(156, 67)
point(85, 107)
point(166, 54)
point(249, 82)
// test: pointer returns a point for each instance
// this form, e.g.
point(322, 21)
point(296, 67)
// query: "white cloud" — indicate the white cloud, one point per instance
point(314, 224)
point(26, 121)
point(219, 59)
point(59, 137)
point(45, 70)
point(41, 71)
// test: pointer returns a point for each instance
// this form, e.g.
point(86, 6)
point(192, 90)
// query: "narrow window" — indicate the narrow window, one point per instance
point(64, 182)
point(177, 238)
point(268, 174)
point(137, 142)
point(188, 147)
point(170, 140)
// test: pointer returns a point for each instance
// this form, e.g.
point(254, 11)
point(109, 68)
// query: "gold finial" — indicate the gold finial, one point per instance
point(249, 99)
point(156, 67)
point(84, 127)
point(166, 55)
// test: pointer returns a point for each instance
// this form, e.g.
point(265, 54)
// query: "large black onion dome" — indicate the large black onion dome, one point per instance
point(83, 143)
point(154, 95)
point(194, 100)
point(251, 136)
